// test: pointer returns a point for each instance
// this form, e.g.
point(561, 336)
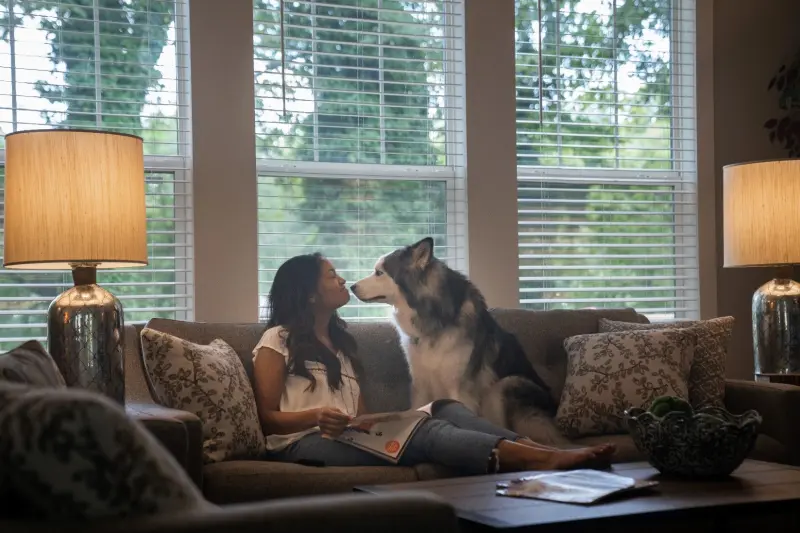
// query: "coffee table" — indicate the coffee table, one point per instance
point(759, 497)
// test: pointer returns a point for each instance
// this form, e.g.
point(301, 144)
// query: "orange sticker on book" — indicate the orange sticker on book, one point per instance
point(392, 446)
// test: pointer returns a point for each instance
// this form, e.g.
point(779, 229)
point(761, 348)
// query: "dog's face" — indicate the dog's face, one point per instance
point(382, 285)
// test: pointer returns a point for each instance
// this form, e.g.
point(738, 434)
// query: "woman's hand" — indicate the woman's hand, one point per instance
point(331, 421)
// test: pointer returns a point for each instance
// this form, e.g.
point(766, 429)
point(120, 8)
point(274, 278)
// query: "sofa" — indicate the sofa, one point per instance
point(386, 387)
point(345, 513)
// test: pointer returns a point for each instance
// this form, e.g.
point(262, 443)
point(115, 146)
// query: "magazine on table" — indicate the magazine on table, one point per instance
point(384, 434)
point(576, 486)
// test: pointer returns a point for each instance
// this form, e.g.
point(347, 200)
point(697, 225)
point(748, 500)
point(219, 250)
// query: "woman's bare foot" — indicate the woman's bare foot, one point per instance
point(515, 456)
point(592, 457)
point(525, 441)
point(603, 458)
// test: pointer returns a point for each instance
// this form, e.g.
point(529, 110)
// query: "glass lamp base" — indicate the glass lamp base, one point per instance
point(776, 327)
point(85, 338)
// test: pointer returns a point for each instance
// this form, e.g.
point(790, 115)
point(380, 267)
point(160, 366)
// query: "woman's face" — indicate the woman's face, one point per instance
point(332, 291)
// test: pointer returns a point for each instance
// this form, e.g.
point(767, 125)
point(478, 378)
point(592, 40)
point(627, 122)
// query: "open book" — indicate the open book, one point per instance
point(383, 434)
point(576, 486)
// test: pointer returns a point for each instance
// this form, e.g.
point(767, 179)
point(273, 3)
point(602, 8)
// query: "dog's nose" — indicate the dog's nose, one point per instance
point(353, 287)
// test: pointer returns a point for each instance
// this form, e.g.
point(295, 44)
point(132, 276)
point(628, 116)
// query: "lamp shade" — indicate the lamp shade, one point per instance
point(74, 197)
point(761, 213)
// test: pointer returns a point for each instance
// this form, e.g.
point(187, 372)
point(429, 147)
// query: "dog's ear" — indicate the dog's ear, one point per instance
point(422, 252)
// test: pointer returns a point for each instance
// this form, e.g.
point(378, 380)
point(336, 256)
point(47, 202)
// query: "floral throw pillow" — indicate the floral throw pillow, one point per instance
point(75, 455)
point(608, 373)
point(707, 376)
point(211, 382)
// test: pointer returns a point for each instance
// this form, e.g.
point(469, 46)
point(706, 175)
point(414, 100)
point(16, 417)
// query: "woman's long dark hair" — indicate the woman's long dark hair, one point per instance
point(294, 286)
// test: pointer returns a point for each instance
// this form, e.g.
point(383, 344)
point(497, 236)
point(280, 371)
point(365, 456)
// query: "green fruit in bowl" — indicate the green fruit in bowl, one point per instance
point(663, 405)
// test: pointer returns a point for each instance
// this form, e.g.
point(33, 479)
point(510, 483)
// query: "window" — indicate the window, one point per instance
point(606, 155)
point(359, 132)
point(104, 64)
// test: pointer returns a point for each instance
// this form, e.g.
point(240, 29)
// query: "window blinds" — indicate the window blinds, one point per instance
point(606, 155)
point(359, 132)
point(120, 66)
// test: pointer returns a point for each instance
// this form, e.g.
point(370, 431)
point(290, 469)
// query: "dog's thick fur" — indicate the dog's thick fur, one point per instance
point(454, 346)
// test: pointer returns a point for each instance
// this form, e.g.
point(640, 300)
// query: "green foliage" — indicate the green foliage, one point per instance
point(372, 101)
point(582, 242)
point(595, 90)
point(107, 60)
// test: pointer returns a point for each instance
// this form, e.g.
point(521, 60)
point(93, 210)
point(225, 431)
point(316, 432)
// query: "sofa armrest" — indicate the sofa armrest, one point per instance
point(180, 432)
point(779, 406)
point(400, 511)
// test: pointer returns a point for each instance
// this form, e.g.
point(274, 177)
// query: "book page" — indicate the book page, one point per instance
point(387, 417)
point(383, 434)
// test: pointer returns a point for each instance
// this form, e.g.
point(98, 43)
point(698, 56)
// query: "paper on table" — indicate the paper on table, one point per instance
point(576, 486)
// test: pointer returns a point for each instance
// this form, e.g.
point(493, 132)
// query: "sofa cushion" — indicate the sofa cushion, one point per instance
point(707, 376)
point(542, 335)
point(386, 382)
point(249, 481)
point(30, 363)
point(611, 372)
point(241, 337)
point(137, 388)
point(427, 471)
point(210, 382)
point(70, 454)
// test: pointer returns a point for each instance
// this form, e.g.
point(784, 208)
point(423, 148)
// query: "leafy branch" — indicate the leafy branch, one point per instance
point(785, 129)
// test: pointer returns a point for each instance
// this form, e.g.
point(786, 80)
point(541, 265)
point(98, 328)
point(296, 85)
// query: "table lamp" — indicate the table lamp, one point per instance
point(761, 220)
point(74, 199)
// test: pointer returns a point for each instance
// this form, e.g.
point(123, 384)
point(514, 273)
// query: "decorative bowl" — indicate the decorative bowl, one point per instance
point(710, 442)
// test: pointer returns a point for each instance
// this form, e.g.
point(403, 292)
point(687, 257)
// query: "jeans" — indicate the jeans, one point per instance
point(454, 437)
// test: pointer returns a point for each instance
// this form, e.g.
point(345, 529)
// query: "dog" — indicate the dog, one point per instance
point(454, 346)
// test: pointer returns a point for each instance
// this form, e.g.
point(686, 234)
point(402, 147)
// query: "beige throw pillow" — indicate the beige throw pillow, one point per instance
point(608, 373)
point(211, 382)
point(707, 376)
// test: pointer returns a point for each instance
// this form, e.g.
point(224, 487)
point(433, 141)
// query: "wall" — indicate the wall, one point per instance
point(224, 172)
point(750, 41)
point(492, 150)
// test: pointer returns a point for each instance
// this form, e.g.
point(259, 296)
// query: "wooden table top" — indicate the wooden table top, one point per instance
point(756, 487)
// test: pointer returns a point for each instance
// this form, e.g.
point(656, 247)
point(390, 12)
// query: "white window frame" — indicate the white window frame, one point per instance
point(179, 165)
point(453, 173)
point(683, 178)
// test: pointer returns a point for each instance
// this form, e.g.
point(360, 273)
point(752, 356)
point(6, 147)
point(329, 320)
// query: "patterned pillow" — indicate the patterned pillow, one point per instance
point(10, 505)
point(608, 373)
point(707, 376)
point(209, 381)
point(30, 363)
point(75, 455)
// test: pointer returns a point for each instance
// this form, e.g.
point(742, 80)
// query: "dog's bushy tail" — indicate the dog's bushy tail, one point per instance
point(537, 425)
point(522, 406)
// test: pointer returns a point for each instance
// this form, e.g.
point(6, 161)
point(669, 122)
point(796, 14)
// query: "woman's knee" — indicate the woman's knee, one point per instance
point(437, 406)
point(447, 406)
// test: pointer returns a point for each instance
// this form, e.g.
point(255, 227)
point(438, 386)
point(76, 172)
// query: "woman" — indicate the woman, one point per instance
point(307, 390)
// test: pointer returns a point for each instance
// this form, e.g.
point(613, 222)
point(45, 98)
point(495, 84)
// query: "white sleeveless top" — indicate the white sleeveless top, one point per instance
point(297, 397)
